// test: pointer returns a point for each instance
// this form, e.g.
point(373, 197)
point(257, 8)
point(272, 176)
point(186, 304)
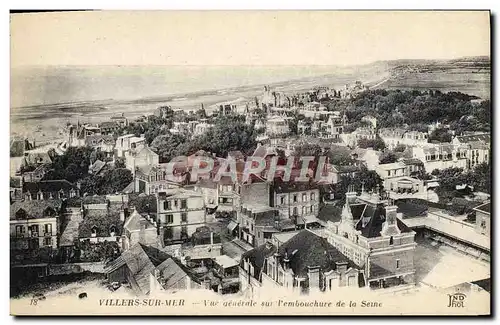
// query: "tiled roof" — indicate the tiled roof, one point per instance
point(103, 220)
point(48, 186)
point(34, 208)
point(306, 249)
point(484, 137)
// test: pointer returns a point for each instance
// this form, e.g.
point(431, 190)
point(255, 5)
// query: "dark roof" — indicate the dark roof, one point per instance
point(48, 186)
point(258, 255)
point(347, 169)
point(306, 249)
point(411, 209)
point(485, 137)
point(329, 212)
point(15, 182)
point(485, 284)
point(33, 209)
point(289, 187)
point(109, 125)
point(141, 260)
point(484, 207)
point(413, 161)
point(376, 216)
point(103, 220)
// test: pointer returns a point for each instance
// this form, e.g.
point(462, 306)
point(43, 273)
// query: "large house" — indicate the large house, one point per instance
point(397, 180)
point(441, 156)
point(34, 224)
point(304, 263)
point(139, 229)
point(50, 189)
point(369, 233)
point(180, 212)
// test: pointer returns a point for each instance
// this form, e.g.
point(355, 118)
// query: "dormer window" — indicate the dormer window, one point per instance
point(39, 196)
point(391, 241)
point(93, 232)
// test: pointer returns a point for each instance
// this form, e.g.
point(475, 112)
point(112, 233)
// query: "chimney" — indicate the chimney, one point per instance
point(206, 284)
point(390, 226)
point(341, 267)
point(313, 275)
point(286, 262)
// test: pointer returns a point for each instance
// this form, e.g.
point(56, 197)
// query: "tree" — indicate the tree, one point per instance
point(120, 163)
point(228, 133)
point(339, 156)
point(367, 179)
point(440, 135)
point(400, 148)
point(167, 145)
point(115, 180)
point(388, 158)
point(376, 144)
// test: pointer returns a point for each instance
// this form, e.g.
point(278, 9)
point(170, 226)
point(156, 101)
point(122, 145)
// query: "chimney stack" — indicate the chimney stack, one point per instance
point(341, 267)
point(313, 275)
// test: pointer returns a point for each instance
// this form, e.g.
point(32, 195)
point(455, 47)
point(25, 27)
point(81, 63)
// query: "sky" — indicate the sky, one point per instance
point(245, 37)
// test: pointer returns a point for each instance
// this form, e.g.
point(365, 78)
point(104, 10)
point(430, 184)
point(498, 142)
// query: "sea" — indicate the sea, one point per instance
point(44, 99)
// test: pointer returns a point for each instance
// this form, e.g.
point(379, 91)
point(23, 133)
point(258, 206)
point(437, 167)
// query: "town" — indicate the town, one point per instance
point(404, 196)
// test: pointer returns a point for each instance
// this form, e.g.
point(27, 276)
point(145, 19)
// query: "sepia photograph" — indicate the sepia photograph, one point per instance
point(250, 163)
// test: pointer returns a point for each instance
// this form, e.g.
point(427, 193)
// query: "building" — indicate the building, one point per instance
point(304, 263)
point(149, 271)
point(370, 234)
point(368, 157)
point(120, 119)
point(295, 200)
point(394, 137)
point(202, 128)
point(126, 143)
point(370, 119)
point(51, 189)
point(277, 126)
point(101, 221)
point(109, 128)
point(180, 212)
point(101, 142)
point(477, 153)
point(257, 222)
point(139, 229)
point(397, 180)
point(34, 224)
point(441, 156)
point(151, 179)
point(143, 156)
point(483, 219)
point(335, 124)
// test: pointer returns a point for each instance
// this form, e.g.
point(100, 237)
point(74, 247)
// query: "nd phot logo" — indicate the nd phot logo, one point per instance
point(456, 300)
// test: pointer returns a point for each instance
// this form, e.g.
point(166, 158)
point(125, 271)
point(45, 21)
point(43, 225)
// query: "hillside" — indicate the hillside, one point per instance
point(469, 75)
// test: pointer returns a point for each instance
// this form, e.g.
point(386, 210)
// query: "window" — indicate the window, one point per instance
point(175, 204)
point(169, 218)
point(304, 197)
point(47, 241)
point(167, 205)
point(20, 231)
point(168, 233)
point(184, 217)
point(282, 200)
point(48, 229)
point(397, 264)
point(184, 232)
point(183, 204)
point(313, 197)
point(295, 198)
point(391, 241)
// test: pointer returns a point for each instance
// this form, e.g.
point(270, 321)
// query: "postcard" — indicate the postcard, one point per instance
point(250, 163)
